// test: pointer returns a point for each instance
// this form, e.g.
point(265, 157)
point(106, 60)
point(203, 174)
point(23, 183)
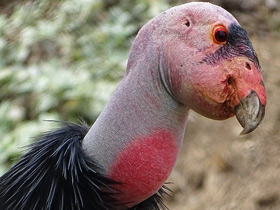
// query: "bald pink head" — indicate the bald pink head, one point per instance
point(208, 76)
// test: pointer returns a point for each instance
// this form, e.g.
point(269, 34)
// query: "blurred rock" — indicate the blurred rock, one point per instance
point(267, 200)
point(272, 4)
point(223, 163)
point(196, 180)
point(230, 5)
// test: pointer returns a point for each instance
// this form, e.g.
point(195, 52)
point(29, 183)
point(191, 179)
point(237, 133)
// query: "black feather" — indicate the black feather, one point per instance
point(56, 174)
point(155, 202)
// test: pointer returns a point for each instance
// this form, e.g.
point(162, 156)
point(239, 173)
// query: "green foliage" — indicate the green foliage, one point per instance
point(61, 60)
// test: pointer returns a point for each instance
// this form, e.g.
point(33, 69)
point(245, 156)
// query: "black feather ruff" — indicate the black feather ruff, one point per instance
point(56, 174)
point(155, 202)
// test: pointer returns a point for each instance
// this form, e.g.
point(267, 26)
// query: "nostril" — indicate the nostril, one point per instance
point(248, 66)
point(230, 81)
point(187, 23)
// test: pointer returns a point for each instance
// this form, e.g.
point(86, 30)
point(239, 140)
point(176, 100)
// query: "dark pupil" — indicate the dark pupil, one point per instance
point(221, 36)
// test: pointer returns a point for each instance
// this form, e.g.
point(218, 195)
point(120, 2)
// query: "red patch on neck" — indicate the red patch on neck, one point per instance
point(144, 166)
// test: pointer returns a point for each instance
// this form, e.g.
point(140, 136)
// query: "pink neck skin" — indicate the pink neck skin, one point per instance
point(144, 166)
point(137, 137)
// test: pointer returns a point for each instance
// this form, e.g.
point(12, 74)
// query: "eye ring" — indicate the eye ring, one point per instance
point(220, 34)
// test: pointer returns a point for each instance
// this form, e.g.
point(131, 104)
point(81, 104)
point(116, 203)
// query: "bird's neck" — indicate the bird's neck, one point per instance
point(140, 107)
point(137, 137)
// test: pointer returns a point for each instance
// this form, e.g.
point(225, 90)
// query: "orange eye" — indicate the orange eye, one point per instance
point(220, 34)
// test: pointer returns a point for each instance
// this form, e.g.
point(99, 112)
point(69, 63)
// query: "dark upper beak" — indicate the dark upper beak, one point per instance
point(250, 112)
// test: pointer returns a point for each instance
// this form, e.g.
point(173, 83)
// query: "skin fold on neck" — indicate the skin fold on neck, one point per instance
point(142, 119)
point(138, 107)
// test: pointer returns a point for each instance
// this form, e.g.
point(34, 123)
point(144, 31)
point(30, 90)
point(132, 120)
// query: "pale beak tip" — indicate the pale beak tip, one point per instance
point(247, 130)
point(250, 113)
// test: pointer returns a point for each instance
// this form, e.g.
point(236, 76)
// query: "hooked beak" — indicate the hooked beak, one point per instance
point(250, 113)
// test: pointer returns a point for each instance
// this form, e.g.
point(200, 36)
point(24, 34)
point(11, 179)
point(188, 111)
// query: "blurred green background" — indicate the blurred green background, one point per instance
point(61, 60)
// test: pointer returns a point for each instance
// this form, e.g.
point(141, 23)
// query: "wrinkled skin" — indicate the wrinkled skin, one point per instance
point(174, 66)
point(213, 89)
